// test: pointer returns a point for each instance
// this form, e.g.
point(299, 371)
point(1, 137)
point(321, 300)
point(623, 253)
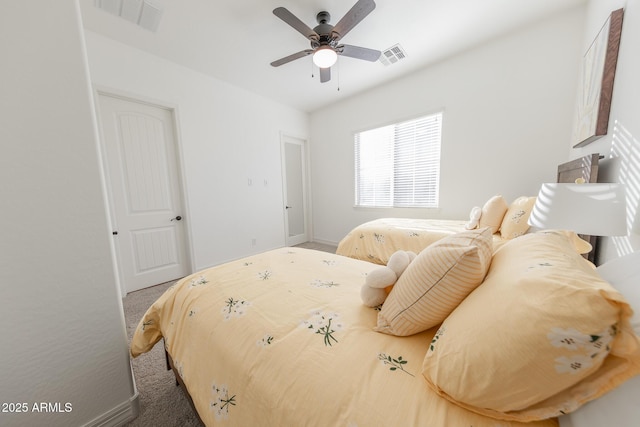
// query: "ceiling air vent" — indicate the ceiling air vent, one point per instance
point(392, 55)
point(145, 13)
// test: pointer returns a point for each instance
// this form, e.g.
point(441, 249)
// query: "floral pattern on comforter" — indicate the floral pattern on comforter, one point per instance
point(282, 339)
point(375, 241)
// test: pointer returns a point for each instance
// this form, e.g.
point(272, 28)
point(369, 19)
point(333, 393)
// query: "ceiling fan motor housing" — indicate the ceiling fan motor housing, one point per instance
point(324, 30)
point(323, 17)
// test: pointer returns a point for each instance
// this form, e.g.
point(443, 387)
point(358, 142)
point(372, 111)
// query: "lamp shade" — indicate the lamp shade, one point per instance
point(591, 209)
point(325, 57)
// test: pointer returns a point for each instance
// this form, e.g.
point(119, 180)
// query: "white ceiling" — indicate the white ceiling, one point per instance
point(236, 40)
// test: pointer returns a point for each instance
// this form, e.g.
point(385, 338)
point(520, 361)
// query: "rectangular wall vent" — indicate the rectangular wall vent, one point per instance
point(145, 13)
point(392, 55)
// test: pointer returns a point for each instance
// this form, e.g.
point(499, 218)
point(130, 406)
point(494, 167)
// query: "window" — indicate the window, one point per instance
point(399, 165)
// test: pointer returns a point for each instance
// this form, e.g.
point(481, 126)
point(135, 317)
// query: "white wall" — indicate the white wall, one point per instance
point(621, 145)
point(63, 335)
point(508, 109)
point(227, 136)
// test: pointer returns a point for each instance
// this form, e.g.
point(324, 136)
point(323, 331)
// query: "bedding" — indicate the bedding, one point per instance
point(375, 241)
point(619, 407)
point(515, 223)
point(493, 212)
point(541, 336)
point(435, 282)
point(282, 339)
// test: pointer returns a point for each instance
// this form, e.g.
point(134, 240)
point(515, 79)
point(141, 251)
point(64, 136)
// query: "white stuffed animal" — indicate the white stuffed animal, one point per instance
point(474, 218)
point(378, 282)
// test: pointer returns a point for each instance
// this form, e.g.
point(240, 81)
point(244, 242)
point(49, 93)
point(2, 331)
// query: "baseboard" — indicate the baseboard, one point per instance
point(325, 242)
point(118, 416)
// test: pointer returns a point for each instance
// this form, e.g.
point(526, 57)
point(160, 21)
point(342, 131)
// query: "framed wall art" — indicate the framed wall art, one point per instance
point(595, 85)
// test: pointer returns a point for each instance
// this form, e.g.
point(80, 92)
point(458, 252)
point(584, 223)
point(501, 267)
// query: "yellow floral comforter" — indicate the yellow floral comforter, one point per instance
point(375, 241)
point(282, 339)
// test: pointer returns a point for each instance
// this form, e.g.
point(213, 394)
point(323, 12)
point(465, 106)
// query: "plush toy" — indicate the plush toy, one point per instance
point(379, 282)
point(474, 218)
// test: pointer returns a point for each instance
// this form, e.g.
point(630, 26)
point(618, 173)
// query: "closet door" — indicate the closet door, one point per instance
point(145, 192)
point(295, 190)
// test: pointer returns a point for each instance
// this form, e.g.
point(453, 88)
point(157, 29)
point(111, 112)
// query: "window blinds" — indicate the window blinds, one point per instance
point(399, 165)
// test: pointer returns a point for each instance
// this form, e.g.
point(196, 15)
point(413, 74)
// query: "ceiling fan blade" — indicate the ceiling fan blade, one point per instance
point(358, 52)
point(296, 23)
point(292, 57)
point(325, 75)
point(356, 14)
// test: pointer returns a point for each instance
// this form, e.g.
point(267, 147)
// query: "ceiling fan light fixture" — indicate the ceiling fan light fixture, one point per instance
point(325, 57)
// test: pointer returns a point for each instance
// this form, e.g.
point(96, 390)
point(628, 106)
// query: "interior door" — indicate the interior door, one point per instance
point(295, 190)
point(145, 192)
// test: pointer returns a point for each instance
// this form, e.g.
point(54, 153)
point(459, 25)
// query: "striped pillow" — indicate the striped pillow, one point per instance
point(440, 277)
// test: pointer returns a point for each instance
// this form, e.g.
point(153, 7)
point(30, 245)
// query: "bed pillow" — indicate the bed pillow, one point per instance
point(619, 407)
point(515, 221)
point(540, 337)
point(492, 213)
point(624, 274)
point(441, 276)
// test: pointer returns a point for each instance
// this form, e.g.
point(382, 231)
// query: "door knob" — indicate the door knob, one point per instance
point(287, 207)
point(178, 218)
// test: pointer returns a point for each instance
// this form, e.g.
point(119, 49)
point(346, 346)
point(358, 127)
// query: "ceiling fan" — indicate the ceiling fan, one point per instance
point(324, 38)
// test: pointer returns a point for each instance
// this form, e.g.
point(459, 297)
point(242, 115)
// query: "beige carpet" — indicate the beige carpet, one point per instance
point(162, 402)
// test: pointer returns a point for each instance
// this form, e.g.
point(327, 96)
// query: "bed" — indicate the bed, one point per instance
point(377, 240)
point(282, 339)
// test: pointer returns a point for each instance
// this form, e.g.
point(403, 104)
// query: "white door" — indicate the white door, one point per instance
point(295, 190)
point(145, 192)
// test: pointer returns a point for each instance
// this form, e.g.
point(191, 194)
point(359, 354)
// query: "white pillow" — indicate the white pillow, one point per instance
point(619, 407)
